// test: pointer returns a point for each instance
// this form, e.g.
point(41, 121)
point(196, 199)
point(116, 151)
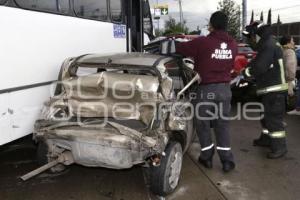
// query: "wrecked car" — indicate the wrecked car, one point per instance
point(117, 111)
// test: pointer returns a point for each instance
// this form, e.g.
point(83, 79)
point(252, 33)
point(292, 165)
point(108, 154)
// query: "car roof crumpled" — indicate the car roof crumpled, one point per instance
point(137, 59)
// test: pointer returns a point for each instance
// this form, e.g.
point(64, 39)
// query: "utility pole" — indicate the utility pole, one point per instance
point(180, 12)
point(157, 17)
point(244, 13)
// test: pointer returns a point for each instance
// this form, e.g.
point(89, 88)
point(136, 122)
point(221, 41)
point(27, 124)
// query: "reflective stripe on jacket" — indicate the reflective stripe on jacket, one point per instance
point(268, 68)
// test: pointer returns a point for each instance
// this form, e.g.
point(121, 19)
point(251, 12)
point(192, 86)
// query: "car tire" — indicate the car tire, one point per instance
point(165, 177)
point(42, 153)
point(43, 158)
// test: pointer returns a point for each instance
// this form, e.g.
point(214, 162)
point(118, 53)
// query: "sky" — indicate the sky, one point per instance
point(197, 12)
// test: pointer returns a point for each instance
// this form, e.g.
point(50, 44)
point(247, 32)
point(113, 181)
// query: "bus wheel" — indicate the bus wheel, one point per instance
point(164, 178)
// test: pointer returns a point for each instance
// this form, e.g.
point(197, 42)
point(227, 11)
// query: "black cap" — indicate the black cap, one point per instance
point(219, 21)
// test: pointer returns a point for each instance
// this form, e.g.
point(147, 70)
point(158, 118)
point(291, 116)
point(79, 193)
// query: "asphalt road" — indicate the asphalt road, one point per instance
point(81, 183)
point(254, 178)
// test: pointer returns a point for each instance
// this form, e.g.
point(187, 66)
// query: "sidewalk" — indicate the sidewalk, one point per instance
point(255, 176)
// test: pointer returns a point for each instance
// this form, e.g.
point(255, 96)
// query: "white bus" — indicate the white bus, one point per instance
point(37, 35)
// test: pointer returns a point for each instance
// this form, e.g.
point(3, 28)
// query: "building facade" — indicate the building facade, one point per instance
point(292, 29)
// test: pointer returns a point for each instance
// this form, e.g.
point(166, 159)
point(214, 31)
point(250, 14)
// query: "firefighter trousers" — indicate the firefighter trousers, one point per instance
point(272, 121)
point(212, 110)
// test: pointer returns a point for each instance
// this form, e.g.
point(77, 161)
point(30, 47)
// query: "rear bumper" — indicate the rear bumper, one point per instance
point(113, 146)
point(96, 155)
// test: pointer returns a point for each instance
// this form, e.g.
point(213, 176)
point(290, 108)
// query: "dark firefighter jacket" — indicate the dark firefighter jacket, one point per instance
point(267, 68)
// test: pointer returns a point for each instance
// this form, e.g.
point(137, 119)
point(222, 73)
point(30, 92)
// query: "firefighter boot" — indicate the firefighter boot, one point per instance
point(263, 141)
point(228, 166)
point(205, 158)
point(278, 148)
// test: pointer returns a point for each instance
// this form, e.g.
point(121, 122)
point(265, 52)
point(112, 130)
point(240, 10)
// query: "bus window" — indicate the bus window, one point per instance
point(116, 10)
point(2, 2)
point(56, 6)
point(91, 9)
point(63, 6)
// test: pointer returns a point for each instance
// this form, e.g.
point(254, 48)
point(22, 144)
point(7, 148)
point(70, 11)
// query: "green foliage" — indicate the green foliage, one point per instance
point(172, 27)
point(158, 33)
point(196, 32)
point(233, 11)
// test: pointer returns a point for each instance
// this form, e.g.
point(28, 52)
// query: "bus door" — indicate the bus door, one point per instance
point(139, 24)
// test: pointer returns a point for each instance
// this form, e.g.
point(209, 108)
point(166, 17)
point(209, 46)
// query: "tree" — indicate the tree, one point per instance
point(172, 27)
point(196, 32)
point(262, 16)
point(232, 10)
point(158, 33)
point(269, 22)
point(252, 17)
point(278, 20)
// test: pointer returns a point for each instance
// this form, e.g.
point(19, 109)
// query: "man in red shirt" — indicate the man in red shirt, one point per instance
point(214, 59)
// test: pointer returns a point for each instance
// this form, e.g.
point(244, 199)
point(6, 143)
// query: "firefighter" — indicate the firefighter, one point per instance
point(214, 59)
point(268, 70)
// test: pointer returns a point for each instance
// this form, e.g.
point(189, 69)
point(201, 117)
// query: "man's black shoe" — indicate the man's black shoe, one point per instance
point(228, 166)
point(263, 141)
point(206, 163)
point(278, 154)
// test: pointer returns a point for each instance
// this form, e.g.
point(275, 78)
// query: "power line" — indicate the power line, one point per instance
point(284, 8)
point(278, 9)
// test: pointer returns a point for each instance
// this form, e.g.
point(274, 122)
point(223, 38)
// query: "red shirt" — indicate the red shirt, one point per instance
point(214, 56)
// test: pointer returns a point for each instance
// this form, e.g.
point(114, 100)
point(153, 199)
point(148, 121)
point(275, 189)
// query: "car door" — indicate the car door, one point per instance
point(187, 74)
point(182, 76)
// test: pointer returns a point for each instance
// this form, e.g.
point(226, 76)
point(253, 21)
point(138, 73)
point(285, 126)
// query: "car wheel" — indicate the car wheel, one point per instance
point(43, 158)
point(164, 178)
point(42, 153)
